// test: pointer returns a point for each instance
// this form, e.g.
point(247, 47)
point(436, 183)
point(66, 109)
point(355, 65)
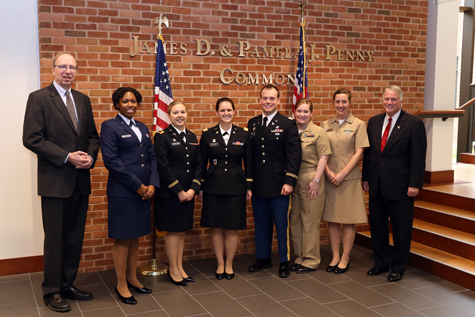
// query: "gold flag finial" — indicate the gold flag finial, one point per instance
point(302, 6)
point(160, 21)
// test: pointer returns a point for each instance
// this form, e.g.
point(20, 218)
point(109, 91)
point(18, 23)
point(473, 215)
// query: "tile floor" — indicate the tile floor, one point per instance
point(255, 294)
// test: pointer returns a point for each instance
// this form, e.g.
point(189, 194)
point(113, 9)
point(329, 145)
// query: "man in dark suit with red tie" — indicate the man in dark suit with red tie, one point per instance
point(393, 173)
point(59, 128)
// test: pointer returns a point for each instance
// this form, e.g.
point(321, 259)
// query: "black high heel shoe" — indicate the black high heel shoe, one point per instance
point(220, 276)
point(339, 270)
point(142, 290)
point(126, 300)
point(228, 276)
point(331, 268)
point(188, 279)
point(179, 283)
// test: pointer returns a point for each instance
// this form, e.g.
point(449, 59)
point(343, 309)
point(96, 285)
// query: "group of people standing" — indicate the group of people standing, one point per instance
point(295, 173)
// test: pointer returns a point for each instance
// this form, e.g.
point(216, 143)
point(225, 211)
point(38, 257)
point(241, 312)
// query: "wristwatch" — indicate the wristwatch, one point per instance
point(317, 180)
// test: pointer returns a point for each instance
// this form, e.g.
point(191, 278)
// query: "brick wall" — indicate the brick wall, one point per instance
point(100, 33)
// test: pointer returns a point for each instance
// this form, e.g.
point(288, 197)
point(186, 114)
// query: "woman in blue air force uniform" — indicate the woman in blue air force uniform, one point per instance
point(225, 186)
point(127, 152)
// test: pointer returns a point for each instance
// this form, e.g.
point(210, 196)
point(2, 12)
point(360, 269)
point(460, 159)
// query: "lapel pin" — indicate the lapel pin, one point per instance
point(398, 127)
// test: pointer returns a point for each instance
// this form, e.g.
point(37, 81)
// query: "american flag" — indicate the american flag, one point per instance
point(163, 90)
point(301, 82)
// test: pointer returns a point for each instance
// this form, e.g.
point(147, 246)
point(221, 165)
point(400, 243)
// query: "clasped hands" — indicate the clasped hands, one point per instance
point(186, 196)
point(146, 192)
point(80, 159)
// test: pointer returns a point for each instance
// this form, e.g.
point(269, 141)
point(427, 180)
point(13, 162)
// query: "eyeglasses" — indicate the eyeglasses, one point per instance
point(63, 68)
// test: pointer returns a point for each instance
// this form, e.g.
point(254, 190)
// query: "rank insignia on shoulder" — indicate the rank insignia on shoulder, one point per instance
point(290, 118)
point(205, 129)
point(161, 132)
point(246, 129)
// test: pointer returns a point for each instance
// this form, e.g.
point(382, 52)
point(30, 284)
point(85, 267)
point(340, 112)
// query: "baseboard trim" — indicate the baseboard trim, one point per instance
point(439, 177)
point(21, 265)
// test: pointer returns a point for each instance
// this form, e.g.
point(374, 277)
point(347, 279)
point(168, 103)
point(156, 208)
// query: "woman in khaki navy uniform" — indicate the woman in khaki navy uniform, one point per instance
point(344, 203)
point(179, 166)
point(225, 186)
point(309, 193)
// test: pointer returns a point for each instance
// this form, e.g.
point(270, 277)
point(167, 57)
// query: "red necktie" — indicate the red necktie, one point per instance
point(385, 134)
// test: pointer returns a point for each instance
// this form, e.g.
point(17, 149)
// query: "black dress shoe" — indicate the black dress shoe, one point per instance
point(394, 277)
point(305, 269)
point(179, 283)
point(126, 300)
point(260, 265)
point(375, 271)
point(284, 270)
point(295, 267)
point(142, 290)
point(220, 276)
point(188, 279)
point(57, 303)
point(74, 293)
point(339, 270)
point(228, 276)
point(331, 268)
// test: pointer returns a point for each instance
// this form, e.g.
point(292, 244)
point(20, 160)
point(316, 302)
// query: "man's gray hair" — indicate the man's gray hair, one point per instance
point(396, 89)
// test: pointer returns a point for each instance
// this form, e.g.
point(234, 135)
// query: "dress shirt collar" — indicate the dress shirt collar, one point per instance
point(178, 131)
point(126, 120)
point(228, 131)
point(395, 117)
point(269, 118)
point(348, 119)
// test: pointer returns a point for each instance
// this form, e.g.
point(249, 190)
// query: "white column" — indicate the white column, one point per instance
point(440, 78)
point(21, 229)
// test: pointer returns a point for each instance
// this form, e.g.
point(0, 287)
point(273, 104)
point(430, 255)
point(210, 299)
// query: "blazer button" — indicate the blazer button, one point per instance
point(263, 153)
point(142, 165)
point(226, 155)
point(187, 171)
point(262, 139)
point(225, 162)
point(186, 148)
point(141, 155)
point(225, 169)
point(262, 145)
point(187, 163)
point(226, 149)
point(263, 161)
point(140, 145)
point(187, 155)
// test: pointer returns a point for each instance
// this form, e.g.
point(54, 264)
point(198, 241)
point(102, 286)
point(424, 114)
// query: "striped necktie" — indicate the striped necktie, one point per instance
point(71, 110)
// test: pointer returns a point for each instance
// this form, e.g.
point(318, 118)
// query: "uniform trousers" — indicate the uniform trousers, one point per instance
point(305, 218)
point(266, 212)
point(64, 221)
point(401, 214)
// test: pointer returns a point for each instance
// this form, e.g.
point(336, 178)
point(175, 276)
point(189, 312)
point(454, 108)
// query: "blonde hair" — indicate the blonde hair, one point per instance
point(174, 103)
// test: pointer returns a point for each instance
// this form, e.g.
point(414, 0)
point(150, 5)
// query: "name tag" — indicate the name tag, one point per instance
point(213, 144)
point(127, 136)
point(175, 143)
point(328, 130)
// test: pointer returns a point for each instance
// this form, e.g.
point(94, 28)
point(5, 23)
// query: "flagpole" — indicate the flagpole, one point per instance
point(155, 268)
point(302, 24)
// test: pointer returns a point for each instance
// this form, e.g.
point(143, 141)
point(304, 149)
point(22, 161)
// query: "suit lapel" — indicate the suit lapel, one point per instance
point(59, 104)
point(234, 135)
point(378, 131)
point(217, 135)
